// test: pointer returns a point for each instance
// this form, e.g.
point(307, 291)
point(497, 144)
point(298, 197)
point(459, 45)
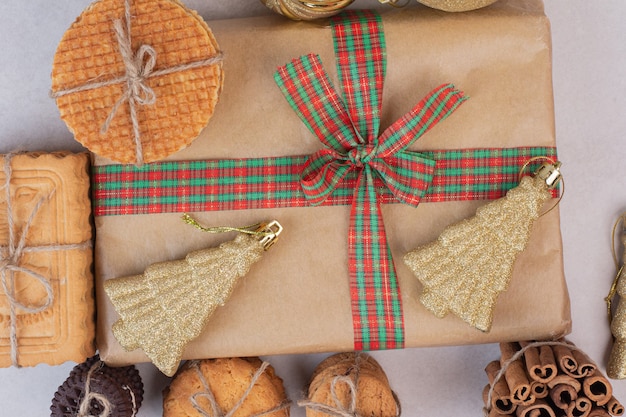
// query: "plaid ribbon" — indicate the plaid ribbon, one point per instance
point(274, 182)
point(351, 141)
point(356, 167)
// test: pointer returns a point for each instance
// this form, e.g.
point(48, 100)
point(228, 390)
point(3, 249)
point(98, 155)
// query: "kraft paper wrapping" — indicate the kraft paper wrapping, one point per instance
point(297, 298)
point(65, 330)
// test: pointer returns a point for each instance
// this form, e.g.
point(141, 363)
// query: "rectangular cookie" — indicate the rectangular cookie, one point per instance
point(50, 208)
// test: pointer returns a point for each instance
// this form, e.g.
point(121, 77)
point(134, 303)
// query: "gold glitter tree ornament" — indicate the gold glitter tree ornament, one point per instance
point(168, 305)
point(471, 262)
point(616, 367)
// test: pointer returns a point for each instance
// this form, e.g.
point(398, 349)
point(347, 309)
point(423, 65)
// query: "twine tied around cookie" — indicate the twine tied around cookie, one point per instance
point(216, 410)
point(88, 396)
point(340, 409)
point(139, 67)
point(11, 257)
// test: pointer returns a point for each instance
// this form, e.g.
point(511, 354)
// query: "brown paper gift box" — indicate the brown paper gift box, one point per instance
point(58, 248)
point(296, 299)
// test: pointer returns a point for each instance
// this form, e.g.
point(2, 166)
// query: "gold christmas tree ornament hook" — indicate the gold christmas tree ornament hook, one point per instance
point(614, 242)
point(550, 173)
point(268, 233)
point(471, 263)
point(170, 303)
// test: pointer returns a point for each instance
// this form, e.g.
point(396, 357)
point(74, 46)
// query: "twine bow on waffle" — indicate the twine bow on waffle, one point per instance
point(139, 67)
point(351, 142)
point(11, 261)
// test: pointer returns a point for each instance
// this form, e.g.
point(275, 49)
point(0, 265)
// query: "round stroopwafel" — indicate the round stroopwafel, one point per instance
point(121, 387)
point(173, 100)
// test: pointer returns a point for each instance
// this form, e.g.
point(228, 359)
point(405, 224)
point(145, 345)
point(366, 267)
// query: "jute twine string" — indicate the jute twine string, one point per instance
point(11, 256)
point(85, 404)
point(216, 410)
point(107, 407)
point(132, 398)
point(340, 409)
point(139, 67)
point(515, 357)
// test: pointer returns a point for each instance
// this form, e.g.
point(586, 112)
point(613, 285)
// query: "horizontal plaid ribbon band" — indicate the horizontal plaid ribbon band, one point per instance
point(256, 183)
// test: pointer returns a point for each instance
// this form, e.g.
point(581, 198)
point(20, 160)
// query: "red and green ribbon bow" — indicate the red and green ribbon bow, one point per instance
point(351, 141)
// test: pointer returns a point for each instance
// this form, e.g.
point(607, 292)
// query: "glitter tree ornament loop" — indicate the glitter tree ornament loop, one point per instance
point(620, 268)
point(552, 174)
point(266, 233)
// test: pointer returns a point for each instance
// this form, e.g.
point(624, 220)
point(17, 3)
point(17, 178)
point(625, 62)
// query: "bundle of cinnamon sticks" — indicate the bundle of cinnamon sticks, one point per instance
point(547, 379)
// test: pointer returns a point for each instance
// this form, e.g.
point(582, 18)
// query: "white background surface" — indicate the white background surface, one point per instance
point(589, 48)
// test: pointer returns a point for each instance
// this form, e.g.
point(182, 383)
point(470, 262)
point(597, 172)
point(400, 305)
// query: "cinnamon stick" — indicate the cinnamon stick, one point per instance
point(597, 387)
point(501, 395)
point(615, 407)
point(565, 359)
point(586, 366)
point(581, 407)
point(494, 413)
point(564, 390)
point(599, 412)
point(540, 408)
point(539, 389)
point(563, 395)
point(515, 375)
point(540, 362)
point(566, 380)
point(573, 362)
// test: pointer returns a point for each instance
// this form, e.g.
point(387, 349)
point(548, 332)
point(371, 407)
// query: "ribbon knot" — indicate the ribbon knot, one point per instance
point(361, 155)
point(349, 133)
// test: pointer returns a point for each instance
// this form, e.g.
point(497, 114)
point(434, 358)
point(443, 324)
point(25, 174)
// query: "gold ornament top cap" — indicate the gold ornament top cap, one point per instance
point(268, 233)
point(550, 173)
